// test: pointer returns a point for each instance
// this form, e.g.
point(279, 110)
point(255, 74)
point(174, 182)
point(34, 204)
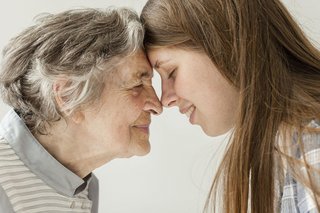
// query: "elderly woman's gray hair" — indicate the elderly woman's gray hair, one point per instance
point(78, 45)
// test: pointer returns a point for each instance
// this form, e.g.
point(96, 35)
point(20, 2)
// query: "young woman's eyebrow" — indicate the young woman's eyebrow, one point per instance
point(158, 64)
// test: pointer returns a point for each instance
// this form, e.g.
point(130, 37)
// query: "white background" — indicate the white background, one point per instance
point(175, 176)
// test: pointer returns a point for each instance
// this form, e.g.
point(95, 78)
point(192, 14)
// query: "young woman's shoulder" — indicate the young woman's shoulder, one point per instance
point(311, 142)
point(296, 195)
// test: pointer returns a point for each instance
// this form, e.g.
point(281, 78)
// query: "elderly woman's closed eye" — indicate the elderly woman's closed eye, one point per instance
point(80, 87)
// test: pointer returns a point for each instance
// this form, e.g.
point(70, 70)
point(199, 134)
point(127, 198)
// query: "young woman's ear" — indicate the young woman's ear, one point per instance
point(58, 88)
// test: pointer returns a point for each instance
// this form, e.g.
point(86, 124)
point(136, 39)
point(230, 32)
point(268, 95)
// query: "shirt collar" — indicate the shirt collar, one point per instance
point(37, 158)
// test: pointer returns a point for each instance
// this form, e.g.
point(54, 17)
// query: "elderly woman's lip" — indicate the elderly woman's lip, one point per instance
point(144, 128)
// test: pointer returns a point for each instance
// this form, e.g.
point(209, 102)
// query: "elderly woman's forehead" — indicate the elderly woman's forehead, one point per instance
point(136, 66)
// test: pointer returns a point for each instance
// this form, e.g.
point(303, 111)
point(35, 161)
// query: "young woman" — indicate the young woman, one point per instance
point(244, 65)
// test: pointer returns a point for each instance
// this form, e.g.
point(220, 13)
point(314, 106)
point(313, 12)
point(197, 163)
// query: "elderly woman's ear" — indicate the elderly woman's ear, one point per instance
point(58, 89)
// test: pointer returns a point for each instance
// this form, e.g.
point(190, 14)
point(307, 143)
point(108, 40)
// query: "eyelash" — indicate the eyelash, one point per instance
point(171, 73)
point(138, 86)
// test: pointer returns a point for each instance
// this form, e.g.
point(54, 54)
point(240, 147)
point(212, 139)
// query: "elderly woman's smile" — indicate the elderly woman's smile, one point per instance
point(143, 124)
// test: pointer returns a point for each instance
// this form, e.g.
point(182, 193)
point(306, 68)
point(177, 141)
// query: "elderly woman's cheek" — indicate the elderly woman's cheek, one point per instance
point(138, 97)
point(136, 91)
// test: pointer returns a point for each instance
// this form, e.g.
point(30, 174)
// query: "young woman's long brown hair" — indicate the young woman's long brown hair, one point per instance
point(258, 48)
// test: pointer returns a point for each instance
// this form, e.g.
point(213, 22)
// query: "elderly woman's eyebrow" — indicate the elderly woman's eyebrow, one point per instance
point(137, 77)
point(146, 74)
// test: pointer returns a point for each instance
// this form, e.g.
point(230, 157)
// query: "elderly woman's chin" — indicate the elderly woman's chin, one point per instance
point(143, 149)
point(139, 145)
point(139, 149)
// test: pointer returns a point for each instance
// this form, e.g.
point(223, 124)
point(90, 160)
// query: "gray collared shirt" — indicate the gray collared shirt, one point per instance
point(19, 141)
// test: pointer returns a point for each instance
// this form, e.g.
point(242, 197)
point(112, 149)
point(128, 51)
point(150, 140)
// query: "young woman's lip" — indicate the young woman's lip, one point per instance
point(191, 118)
point(184, 110)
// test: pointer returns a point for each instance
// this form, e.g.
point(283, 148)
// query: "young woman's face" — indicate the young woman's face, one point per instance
point(192, 82)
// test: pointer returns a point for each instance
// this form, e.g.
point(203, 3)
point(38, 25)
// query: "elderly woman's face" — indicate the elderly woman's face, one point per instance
point(120, 123)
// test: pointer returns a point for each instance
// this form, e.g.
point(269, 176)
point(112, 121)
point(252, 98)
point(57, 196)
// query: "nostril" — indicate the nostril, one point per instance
point(171, 103)
point(153, 112)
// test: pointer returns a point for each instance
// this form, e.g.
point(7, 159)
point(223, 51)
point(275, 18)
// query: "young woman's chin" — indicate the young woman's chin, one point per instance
point(217, 132)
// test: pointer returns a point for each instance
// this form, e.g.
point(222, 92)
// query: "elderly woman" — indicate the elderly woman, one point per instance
point(80, 87)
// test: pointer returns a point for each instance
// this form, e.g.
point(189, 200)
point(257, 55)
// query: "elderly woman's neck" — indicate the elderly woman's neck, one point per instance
point(73, 150)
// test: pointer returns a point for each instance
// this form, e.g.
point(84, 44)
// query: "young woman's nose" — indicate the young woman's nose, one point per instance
point(169, 97)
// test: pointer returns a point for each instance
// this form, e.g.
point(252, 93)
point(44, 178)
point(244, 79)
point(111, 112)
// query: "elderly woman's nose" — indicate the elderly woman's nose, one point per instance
point(153, 104)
